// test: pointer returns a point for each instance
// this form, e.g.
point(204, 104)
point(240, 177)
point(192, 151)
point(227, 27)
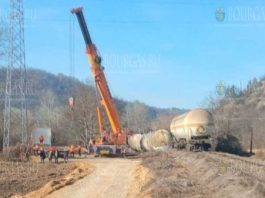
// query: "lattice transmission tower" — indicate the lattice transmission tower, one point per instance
point(16, 73)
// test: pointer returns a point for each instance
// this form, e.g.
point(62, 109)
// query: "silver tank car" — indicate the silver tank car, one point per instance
point(134, 141)
point(156, 140)
point(193, 130)
point(152, 141)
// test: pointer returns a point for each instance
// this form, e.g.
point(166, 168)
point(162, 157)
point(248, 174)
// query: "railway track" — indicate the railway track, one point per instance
point(239, 165)
point(235, 157)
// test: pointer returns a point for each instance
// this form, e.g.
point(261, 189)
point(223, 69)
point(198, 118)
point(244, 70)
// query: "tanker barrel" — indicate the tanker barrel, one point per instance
point(197, 123)
point(157, 140)
point(134, 142)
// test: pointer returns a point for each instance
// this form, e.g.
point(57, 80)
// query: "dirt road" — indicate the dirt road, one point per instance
point(171, 174)
point(111, 178)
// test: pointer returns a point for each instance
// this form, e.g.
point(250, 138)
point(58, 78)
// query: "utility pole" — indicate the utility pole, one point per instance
point(251, 141)
point(16, 64)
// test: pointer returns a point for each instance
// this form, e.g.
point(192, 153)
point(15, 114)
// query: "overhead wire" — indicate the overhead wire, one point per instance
point(72, 45)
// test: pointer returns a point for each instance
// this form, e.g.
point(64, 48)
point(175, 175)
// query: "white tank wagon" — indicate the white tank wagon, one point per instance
point(134, 141)
point(193, 130)
point(152, 141)
point(156, 140)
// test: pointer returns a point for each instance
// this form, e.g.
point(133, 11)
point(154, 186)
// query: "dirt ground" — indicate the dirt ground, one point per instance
point(112, 177)
point(203, 174)
point(159, 174)
point(20, 178)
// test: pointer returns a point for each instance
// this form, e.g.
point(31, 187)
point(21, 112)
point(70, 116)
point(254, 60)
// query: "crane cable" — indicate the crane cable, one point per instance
point(72, 45)
point(71, 62)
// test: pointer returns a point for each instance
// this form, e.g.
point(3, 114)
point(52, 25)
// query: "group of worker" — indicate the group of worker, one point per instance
point(53, 152)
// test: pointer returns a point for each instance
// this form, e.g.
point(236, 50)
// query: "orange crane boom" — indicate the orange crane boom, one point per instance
point(106, 99)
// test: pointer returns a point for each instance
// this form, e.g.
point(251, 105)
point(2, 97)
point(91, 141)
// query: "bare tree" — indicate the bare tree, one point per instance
point(162, 121)
point(239, 113)
point(82, 119)
point(136, 117)
point(48, 113)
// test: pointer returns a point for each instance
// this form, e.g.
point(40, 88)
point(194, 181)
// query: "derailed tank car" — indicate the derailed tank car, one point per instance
point(134, 141)
point(193, 130)
point(156, 141)
point(152, 141)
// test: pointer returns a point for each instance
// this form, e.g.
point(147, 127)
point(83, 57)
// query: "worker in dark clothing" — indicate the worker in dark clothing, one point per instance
point(65, 153)
point(42, 155)
point(123, 151)
point(56, 155)
point(79, 150)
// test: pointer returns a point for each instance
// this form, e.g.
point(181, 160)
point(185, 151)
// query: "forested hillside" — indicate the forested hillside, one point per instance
point(47, 107)
point(238, 113)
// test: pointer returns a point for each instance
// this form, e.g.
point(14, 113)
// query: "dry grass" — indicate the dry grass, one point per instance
point(141, 177)
point(12, 154)
point(79, 171)
point(168, 182)
point(260, 154)
point(19, 178)
point(201, 174)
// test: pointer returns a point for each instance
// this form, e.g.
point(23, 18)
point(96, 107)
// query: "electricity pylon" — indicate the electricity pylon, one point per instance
point(16, 63)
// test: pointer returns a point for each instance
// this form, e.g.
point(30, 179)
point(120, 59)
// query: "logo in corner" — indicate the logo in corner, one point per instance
point(220, 14)
point(220, 88)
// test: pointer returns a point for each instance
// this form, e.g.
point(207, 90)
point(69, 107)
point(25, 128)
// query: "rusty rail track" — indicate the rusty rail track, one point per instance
point(239, 165)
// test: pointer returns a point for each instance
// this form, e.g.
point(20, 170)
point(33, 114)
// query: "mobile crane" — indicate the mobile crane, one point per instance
point(117, 137)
